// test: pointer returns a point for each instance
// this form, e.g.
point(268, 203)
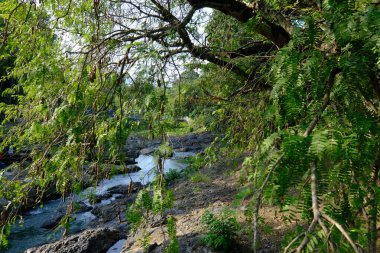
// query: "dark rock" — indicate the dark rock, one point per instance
point(127, 161)
point(3, 204)
point(132, 168)
point(159, 222)
point(122, 168)
point(89, 241)
point(119, 196)
point(152, 247)
point(124, 189)
point(147, 151)
point(99, 198)
point(81, 207)
point(106, 212)
point(51, 193)
point(109, 212)
point(53, 222)
point(130, 161)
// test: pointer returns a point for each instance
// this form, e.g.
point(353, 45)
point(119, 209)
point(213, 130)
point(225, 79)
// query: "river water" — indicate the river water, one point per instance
point(27, 233)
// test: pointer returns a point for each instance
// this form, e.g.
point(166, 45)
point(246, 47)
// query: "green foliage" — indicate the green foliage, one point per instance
point(221, 231)
point(73, 104)
point(164, 151)
point(172, 175)
point(173, 246)
point(198, 177)
point(4, 233)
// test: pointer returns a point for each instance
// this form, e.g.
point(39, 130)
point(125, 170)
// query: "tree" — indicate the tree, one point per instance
point(305, 76)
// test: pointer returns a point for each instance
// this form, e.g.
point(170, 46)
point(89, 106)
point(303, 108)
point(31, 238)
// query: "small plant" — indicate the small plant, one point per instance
point(199, 178)
point(173, 246)
point(222, 231)
point(172, 175)
point(195, 164)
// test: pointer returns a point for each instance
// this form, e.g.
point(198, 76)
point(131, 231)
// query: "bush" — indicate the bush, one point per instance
point(222, 231)
point(172, 175)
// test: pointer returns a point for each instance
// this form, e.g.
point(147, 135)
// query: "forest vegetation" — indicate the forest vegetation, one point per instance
point(290, 86)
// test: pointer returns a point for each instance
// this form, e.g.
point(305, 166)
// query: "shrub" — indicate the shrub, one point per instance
point(172, 175)
point(222, 231)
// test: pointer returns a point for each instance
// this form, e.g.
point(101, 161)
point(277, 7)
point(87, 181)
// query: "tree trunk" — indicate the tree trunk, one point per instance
point(372, 210)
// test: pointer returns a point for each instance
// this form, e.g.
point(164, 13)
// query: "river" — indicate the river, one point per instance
point(27, 232)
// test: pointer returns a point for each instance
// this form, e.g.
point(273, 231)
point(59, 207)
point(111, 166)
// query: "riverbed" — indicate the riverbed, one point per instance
point(27, 232)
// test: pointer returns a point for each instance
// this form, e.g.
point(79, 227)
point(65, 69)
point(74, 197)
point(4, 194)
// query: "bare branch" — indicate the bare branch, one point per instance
point(342, 230)
point(326, 101)
point(315, 207)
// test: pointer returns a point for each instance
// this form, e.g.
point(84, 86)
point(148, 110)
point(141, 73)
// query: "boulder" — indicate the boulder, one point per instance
point(132, 168)
point(109, 212)
point(79, 207)
point(99, 198)
point(124, 189)
point(53, 221)
point(147, 151)
point(89, 241)
point(106, 212)
point(3, 204)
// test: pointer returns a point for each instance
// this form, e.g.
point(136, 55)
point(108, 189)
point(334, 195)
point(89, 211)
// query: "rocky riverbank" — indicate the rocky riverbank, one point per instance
point(213, 191)
point(136, 145)
point(109, 207)
point(192, 142)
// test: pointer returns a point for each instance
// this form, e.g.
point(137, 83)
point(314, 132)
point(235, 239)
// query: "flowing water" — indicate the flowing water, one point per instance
point(27, 233)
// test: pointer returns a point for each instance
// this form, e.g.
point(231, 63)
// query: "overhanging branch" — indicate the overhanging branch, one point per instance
point(242, 12)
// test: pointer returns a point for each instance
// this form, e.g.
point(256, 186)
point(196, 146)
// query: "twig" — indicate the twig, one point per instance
point(327, 233)
point(316, 213)
point(259, 199)
point(293, 241)
point(342, 230)
point(326, 101)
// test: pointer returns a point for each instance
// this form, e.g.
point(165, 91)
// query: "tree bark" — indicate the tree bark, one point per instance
point(372, 210)
point(242, 12)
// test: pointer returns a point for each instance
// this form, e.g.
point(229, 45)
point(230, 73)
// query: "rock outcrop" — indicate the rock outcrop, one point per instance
point(57, 216)
point(125, 189)
point(116, 209)
point(193, 142)
point(89, 241)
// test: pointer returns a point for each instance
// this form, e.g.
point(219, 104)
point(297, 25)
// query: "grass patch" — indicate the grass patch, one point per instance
point(199, 178)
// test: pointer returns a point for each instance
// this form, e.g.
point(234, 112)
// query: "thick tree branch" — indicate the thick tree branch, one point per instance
point(256, 48)
point(198, 52)
point(233, 8)
point(242, 12)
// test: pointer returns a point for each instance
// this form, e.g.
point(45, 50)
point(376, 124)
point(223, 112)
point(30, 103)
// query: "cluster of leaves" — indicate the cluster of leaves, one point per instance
point(172, 175)
point(173, 245)
point(222, 230)
point(150, 205)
